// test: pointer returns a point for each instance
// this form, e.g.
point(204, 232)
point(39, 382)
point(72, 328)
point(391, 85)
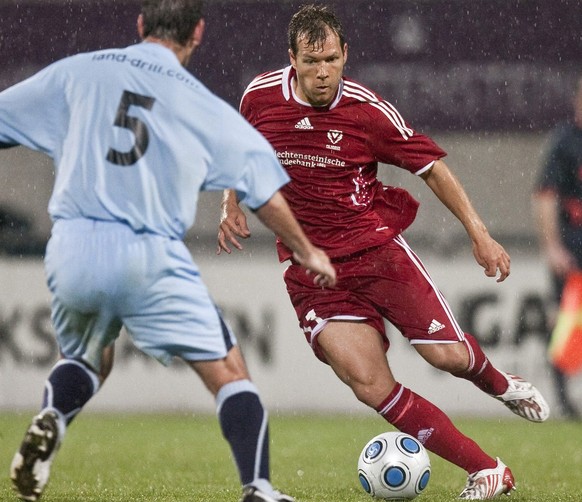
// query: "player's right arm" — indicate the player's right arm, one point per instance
point(233, 223)
point(31, 111)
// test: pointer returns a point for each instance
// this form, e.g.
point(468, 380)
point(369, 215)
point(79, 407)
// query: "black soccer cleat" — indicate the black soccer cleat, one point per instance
point(30, 468)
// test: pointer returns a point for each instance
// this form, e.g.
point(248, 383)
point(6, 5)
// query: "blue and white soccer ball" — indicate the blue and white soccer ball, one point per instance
point(394, 466)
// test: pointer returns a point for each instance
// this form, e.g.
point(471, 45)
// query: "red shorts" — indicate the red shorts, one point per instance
point(387, 281)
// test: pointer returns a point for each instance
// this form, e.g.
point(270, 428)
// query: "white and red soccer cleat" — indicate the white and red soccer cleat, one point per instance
point(523, 399)
point(488, 483)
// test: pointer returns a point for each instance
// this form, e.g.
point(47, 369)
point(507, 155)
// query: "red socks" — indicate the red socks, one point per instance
point(414, 415)
point(480, 371)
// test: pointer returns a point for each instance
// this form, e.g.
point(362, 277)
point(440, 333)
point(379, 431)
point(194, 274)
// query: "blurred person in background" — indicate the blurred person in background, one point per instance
point(330, 133)
point(135, 138)
point(557, 208)
point(17, 237)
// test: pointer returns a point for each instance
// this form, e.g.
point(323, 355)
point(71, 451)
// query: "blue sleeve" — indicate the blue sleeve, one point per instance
point(246, 162)
point(261, 176)
point(32, 112)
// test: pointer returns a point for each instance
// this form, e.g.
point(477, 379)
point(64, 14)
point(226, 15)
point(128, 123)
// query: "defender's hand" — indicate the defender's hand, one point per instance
point(317, 262)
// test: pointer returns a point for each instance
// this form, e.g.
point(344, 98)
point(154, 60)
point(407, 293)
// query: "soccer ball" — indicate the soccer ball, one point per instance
point(394, 466)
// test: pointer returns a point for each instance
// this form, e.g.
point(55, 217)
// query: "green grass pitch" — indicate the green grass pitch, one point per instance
point(179, 457)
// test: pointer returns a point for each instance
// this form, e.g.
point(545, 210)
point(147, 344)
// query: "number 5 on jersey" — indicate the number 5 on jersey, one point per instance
point(135, 125)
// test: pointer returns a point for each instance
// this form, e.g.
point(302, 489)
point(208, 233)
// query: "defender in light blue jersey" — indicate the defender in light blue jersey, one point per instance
point(135, 138)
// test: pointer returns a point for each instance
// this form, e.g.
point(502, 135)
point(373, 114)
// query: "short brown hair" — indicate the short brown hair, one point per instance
point(311, 22)
point(171, 19)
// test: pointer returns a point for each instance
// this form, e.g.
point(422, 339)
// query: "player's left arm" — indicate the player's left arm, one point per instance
point(487, 251)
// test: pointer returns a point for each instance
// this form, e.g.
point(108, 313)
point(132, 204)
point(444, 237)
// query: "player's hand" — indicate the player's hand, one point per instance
point(492, 257)
point(233, 225)
point(317, 262)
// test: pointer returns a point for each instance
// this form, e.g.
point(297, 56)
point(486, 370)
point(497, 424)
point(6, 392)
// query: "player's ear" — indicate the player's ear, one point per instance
point(292, 59)
point(345, 53)
point(140, 26)
point(198, 32)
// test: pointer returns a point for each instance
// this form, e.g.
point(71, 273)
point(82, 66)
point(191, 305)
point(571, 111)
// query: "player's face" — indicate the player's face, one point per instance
point(319, 69)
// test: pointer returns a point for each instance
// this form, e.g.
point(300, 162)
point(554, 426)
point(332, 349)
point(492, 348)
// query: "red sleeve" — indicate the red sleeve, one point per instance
point(392, 141)
point(245, 108)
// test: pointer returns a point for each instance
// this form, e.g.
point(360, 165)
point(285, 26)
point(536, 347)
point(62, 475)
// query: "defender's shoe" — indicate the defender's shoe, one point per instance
point(253, 494)
point(30, 468)
point(524, 399)
point(488, 483)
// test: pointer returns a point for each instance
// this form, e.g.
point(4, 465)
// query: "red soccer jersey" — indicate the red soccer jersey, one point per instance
point(332, 153)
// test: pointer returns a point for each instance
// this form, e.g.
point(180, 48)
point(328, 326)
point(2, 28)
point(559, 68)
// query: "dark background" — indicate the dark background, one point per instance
point(448, 65)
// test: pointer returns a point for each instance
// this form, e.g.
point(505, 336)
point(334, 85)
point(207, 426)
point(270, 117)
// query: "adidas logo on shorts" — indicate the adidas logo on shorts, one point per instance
point(304, 124)
point(435, 326)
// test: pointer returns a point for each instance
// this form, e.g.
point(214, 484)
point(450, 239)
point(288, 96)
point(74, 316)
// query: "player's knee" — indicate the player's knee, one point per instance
point(452, 358)
point(366, 397)
point(371, 391)
point(454, 365)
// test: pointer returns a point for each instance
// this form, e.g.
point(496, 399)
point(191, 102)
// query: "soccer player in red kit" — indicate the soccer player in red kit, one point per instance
point(330, 133)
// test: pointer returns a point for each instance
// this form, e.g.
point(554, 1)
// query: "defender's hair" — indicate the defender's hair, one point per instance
point(171, 19)
point(311, 22)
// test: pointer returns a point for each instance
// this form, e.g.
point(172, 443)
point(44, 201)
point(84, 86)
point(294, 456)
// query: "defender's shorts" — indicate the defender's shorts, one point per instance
point(387, 281)
point(103, 275)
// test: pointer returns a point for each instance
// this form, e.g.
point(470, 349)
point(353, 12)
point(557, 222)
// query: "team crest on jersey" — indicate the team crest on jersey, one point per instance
point(335, 137)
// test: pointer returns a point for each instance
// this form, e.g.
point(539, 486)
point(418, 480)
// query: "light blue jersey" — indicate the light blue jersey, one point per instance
point(134, 138)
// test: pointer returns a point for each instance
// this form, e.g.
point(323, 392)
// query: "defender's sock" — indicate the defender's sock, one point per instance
point(414, 415)
point(480, 371)
point(69, 387)
point(244, 424)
